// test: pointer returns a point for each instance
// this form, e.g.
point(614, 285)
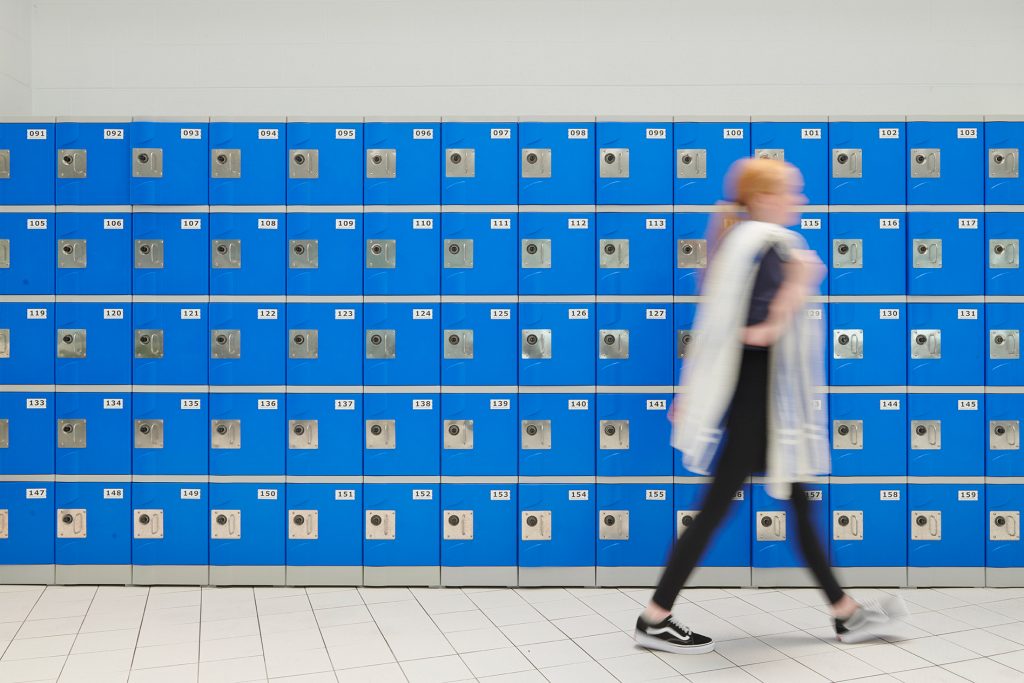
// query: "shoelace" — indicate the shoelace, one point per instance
point(683, 629)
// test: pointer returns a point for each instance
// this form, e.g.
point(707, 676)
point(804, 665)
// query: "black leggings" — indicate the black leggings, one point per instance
point(743, 454)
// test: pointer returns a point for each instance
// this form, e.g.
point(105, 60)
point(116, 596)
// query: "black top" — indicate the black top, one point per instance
point(767, 282)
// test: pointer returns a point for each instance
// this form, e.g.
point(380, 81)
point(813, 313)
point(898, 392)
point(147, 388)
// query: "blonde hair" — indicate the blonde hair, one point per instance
point(746, 179)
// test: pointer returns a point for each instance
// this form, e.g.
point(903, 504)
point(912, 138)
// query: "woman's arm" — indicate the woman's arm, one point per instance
point(802, 273)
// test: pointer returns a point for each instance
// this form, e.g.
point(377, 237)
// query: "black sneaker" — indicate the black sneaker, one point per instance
point(670, 636)
point(870, 618)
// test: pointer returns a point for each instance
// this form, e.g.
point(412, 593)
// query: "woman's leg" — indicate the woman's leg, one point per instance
point(813, 553)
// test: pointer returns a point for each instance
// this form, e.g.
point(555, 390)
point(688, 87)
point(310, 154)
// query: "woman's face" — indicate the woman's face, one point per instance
point(784, 207)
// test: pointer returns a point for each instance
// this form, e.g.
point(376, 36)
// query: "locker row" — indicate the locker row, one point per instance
point(458, 162)
point(478, 434)
point(269, 252)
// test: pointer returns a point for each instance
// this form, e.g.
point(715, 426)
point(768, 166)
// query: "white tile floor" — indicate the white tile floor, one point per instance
point(110, 634)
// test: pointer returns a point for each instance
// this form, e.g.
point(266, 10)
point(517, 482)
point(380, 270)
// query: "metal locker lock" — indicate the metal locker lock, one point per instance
point(848, 253)
point(1004, 525)
point(71, 433)
point(847, 344)
point(72, 163)
point(847, 163)
point(460, 163)
point(381, 344)
point(926, 344)
point(458, 344)
point(5, 342)
point(227, 253)
point(226, 344)
point(536, 162)
point(848, 434)
point(149, 524)
point(927, 253)
point(691, 163)
point(149, 253)
point(303, 344)
point(304, 253)
point(536, 344)
point(925, 162)
point(458, 525)
point(614, 435)
point(149, 343)
point(4, 523)
point(613, 525)
point(777, 154)
point(71, 343)
point(536, 435)
point(458, 253)
point(614, 254)
point(771, 526)
point(226, 524)
point(5, 253)
point(684, 520)
point(380, 525)
point(1004, 253)
point(71, 254)
point(225, 163)
point(147, 162)
point(684, 338)
point(380, 434)
point(5, 433)
point(1004, 162)
point(1004, 435)
point(692, 254)
point(536, 525)
point(926, 435)
point(5, 164)
point(536, 253)
point(226, 434)
point(71, 523)
point(926, 525)
point(614, 162)
point(613, 344)
point(381, 163)
point(304, 435)
point(1004, 344)
point(848, 525)
point(381, 253)
point(303, 525)
point(458, 435)
point(149, 433)
point(304, 163)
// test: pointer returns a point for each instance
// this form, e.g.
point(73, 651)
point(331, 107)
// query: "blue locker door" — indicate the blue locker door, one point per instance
point(94, 433)
point(775, 527)
point(403, 163)
point(813, 226)
point(557, 525)
point(171, 253)
point(704, 152)
point(479, 253)
point(402, 344)
point(689, 254)
point(730, 544)
point(489, 538)
point(803, 144)
point(93, 162)
point(170, 162)
point(247, 253)
point(682, 319)
point(94, 342)
point(28, 169)
point(634, 253)
point(170, 343)
point(248, 343)
point(480, 433)
point(868, 524)
point(27, 342)
point(479, 162)
point(557, 344)
point(634, 162)
point(862, 339)
point(868, 254)
point(324, 525)
point(556, 162)
point(402, 253)
point(170, 523)
point(30, 526)
point(325, 163)
point(170, 433)
point(867, 162)
point(946, 253)
point(634, 524)
point(325, 434)
point(247, 434)
point(634, 344)
point(248, 525)
point(325, 254)
point(556, 435)
point(1003, 366)
point(325, 344)
point(945, 162)
point(1004, 415)
point(94, 523)
point(402, 435)
point(1004, 140)
point(947, 344)
point(1004, 233)
point(401, 525)
point(94, 253)
point(25, 245)
point(869, 434)
point(479, 344)
point(556, 253)
point(633, 435)
point(248, 163)
point(1004, 505)
point(28, 418)
point(947, 433)
point(947, 525)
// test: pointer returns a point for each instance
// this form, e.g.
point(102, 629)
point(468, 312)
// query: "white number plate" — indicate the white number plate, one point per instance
point(191, 223)
point(35, 134)
point(344, 404)
point(35, 313)
point(423, 314)
point(268, 134)
point(501, 314)
point(113, 133)
point(266, 223)
point(888, 314)
point(501, 404)
point(889, 494)
point(344, 494)
point(889, 223)
point(344, 314)
point(655, 494)
point(113, 494)
point(501, 494)
point(422, 223)
point(191, 494)
point(113, 314)
point(657, 404)
point(266, 314)
point(732, 133)
point(191, 133)
point(810, 224)
point(35, 403)
point(501, 133)
point(501, 223)
point(888, 133)
point(579, 494)
point(35, 493)
point(266, 404)
point(578, 133)
point(113, 404)
point(656, 223)
point(344, 223)
point(967, 314)
point(266, 494)
point(579, 313)
point(967, 133)
point(36, 224)
point(579, 223)
point(423, 404)
point(889, 404)
point(814, 495)
point(422, 133)
point(579, 404)
point(967, 404)
point(344, 133)
point(113, 224)
point(967, 495)
point(191, 314)
point(656, 134)
point(967, 223)
point(191, 403)
point(656, 314)
point(423, 494)
point(810, 133)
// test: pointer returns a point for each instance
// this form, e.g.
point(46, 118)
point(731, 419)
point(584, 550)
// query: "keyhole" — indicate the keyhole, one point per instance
point(531, 158)
point(222, 519)
point(919, 158)
point(144, 249)
point(922, 249)
point(376, 249)
point(67, 429)
point(999, 339)
point(67, 519)
point(454, 249)
point(921, 520)
point(999, 249)
point(844, 520)
point(376, 158)
point(456, 158)
point(531, 339)
point(144, 339)
point(222, 249)
point(609, 249)
point(999, 158)
point(531, 248)
point(453, 520)
point(921, 339)
point(531, 520)
point(300, 159)
point(298, 520)
point(688, 250)
point(609, 520)
point(299, 249)
point(143, 158)
point(843, 249)
point(531, 430)
point(222, 159)
point(844, 339)
point(843, 158)
point(609, 339)
point(453, 339)
point(686, 339)
point(376, 339)
point(609, 158)
point(376, 430)
point(1000, 521)
point(144, 429)
point(766, 522)
point(609, 430)
point(843, 430)
point(144, 519)
point(299, 430)
point(687, 159)
point(375, 520)
point(921, 430)
point(67, 249)
point(222, 430)
point(453, 430)
point(67, 159)
point(687, 520)
point(221, 339)
point(299, 339)
point(1000, 430)
point(66, 339)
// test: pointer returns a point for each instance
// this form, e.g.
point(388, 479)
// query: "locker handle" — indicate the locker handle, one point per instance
point(855, 525)
point(1012, 437)
point(854, 252)
point(933, 252)
point(1012, 343)
point(77, 525)
point(933, 343)
point(933, 434)
point(1011, 252)
point(933, 525)
point(1011, 526)
point(855, 344)
point(855, 434)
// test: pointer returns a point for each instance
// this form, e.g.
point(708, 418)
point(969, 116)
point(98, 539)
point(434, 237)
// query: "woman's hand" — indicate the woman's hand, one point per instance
point(762, 334)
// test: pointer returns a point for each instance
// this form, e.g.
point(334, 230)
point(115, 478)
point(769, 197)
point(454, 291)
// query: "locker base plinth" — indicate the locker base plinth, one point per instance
point(963, 577)
point(401, 576)
point(479, 576)
point(718, 577)
point(104, 574)
point(852, 577)
point(170, 575)
point(557, 576)
point(782, 577)
point(26, 573)
point(324, 576)
point(245, 575)
point(1004, 577)
point(639, 577)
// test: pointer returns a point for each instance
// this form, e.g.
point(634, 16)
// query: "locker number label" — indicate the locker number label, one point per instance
point(578, 133)
point(501, 223)
point(967, 404)
point(113, 314)
point(191, 314)
point(501, 494)
point(656, 224)
point(814, 314)
point(889, 404)
point(814, 495)
point(113, 404)
point(579, 404)
point(35, 493)
point(344, 133)
point(344, 314)
point(967, 133)
point(656, 134)
point(967, 223)
point(579, 494)
point(810, 133)
point(810, 224)
point(501, 133)
point(732, 134)
point(344, 223)
point(422, 223)
point(423, 494)
point(657, 404)
point(579, 223)
point(35, 134)
point(35, 313)
point(266, 404)
point(579, 313)
point(266, 314)
point(501, 404)
point(35, 403)
point(266, 223)
point(967, 314)
point(888, 314)
point(816, 404)
point(423, 314)
point(738, 495)
point(191, 223)
point(888, 133)
point(36, 224)
point(344, 404)
point(889, 223)
point(191, 133)
point(889, 494)
point(656, 314)
point(501, 314)
point(191, 494)
point(191, 403)
point(422, 133)
point(113, 494)
point(268, 134)
point(344, 494)
point(423, 404)
point(113, 133)
point(967, 495)
point(655, 494)
point(266, 494)
point(113, 224)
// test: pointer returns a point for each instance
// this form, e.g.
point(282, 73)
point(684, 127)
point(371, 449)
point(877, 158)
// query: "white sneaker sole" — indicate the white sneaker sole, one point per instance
point(652, 643)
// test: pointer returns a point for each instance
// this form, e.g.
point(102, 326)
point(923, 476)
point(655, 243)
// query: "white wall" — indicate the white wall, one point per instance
point(15, 53)
point(234, 57)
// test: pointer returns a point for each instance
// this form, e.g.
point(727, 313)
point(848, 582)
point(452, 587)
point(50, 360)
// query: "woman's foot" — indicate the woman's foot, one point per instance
point(669, 635)
point(866, 619)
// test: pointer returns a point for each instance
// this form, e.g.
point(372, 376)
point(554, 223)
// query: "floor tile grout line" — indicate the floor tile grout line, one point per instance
point(22, 624)
point(319, 629)
point(79, 632)
point(138, 634)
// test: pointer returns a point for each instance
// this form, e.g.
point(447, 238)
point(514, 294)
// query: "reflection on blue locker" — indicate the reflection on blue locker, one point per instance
point(479, 162)
point(946, 253)
point(325, 254)
point(634, 162)
point(26, 342)
point(1004, 414)
point(867, 162)
point(25, 247)
point(170, 433)
point(730, 544)
point(480, 343)
point(478, 525)
point(633, 435)
point(26, 423)
point(94, 252)
point(947, 433)
point(325, 344)
point(93, 161)
point(170, 524)
point(247, 524)
point(170, 161)
point(402, 343)
point(324, 524)
point(94, 523)
point(557, 525)
point(479, 253)
point(1004, 233)
point(803, 144)
point(862, 340)
point(1003, 366)
point(401, 525)
point(704, 151)
point(947, 343)
point(634, 527)
point(813, 227)
point(947, 525)
point(634, 344)
point(556, 253)
point(402, 434)
point(868, 524)
point(479, 434)
point(247, 434)
point(556, 435)
point(867, 254)
point(1004, 506)
point(690, 252)
point(325, 162)
point(93, 433)
point(775, 527)
point(869, 434)
point(1004, 138)
point(634, 253)
point(247, 162)
point(170, 343)
point(325, 434)
point(171, 252)
point(403, 162)
point(556, 162)
point(94, 343)
point(945, 162)
point(247, 343)
point(558, 345)
point(682, 319)
point(247, 253)
point(29, 523)
point(402, 253)
point(26, 160)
